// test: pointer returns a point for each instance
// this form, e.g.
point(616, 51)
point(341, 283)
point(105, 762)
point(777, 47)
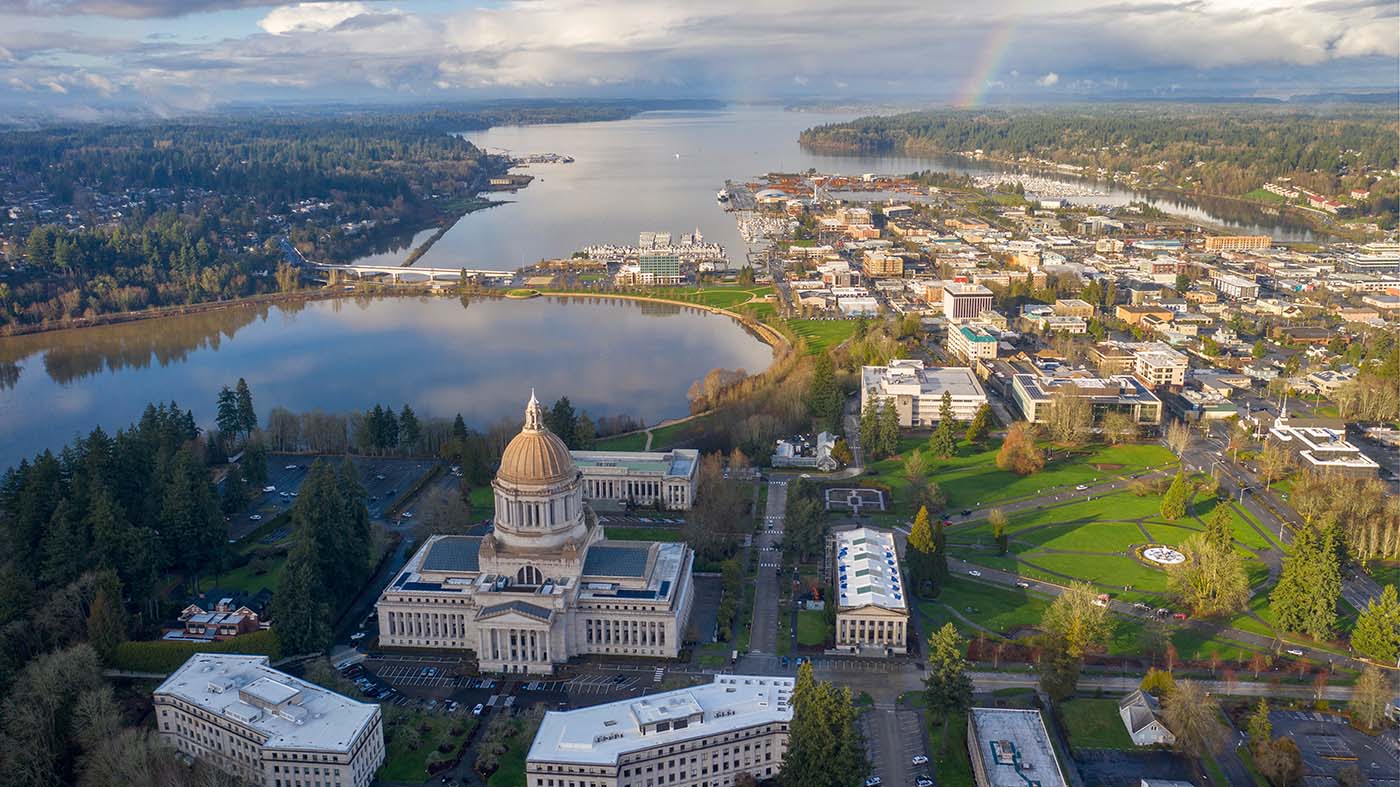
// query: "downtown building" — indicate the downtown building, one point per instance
point(545, 584)
point(965, 301)
point(917, 391)
point(704, 736)
point(266, 727)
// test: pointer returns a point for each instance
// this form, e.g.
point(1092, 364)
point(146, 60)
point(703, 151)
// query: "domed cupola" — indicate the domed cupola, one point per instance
point(539, 494)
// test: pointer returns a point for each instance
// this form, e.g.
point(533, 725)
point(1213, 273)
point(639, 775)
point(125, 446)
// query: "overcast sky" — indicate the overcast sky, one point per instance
point(81, 56)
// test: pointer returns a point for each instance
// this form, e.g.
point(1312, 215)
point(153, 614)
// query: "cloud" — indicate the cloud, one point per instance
point(310, 17)
point(126, 9)
point(1049, 80)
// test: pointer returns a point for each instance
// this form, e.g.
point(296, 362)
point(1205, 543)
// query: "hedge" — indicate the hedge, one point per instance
point(166, 655)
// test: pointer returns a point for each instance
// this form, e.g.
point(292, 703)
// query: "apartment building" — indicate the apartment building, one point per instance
point(1161, 366)
point(704, 736)
point(266, 727)
point(880, 264)
point(1237, 287)
point(1238, 243)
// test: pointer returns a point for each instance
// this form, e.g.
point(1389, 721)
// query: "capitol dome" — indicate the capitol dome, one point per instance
point(536, 456)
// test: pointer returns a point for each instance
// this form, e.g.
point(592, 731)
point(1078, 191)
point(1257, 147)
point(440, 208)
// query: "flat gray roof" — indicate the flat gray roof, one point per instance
point(616, 561)
point(1014, 748)
point(453, 553)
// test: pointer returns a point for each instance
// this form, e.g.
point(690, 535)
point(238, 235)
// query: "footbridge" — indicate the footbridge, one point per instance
point(394, 272)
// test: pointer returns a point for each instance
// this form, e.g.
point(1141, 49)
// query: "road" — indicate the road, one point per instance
point(763, 633)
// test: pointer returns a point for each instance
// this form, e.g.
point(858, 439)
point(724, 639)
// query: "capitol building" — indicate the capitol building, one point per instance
point(545, 584)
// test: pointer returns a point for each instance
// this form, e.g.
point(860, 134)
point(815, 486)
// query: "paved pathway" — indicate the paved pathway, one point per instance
point(763, 634)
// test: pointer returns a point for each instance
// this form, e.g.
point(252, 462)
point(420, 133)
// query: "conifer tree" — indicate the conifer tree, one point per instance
point(870, 429)
point(226, 416)
point(889, 429)
point(410, 430)
point(823, 397)
point(300, 617)
point(1377, 631)
point(944, 442)
point(947, 687)
point(1174, 501)
point(920, 548)
point(106, 620)
point(979, 426)
point(1305, 598)
point(247, 417)
point(1260, 729)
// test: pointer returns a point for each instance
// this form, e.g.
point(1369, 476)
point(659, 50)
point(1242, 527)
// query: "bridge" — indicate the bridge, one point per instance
point(395, 271)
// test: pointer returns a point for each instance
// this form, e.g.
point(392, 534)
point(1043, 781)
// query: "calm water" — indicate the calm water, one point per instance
point(608, 357)
point(660, 171)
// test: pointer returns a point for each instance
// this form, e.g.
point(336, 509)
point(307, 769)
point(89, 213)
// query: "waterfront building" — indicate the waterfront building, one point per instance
point(545, 584)
point(1322, 449)
point(917, 391)
point(872, 615)
point(704, 736)
point(1011, 748)
point(1238, 242)
point(965, 301)
point(971, 342)
point(650, 479)
point(1034, 394)
point(662, 269)
point(266, 727)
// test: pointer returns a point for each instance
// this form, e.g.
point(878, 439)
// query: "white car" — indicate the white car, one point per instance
point(407, 515)
point(1082, 487)
point(919, 759)
point(1294, 652)
point(269, 488)
point(357, 636)
point(873, 781)
point(290, 467)
point(1023, 584)
point(972, 572)
point(478, 709)
point(255, 517)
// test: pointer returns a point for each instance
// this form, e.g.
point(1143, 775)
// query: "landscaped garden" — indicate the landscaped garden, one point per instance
point(414, 740)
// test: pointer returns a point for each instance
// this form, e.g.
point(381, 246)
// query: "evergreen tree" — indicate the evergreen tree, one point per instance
point(410, 431)
point(944, 441)
point(1259, 728)
point(1174, 501)
point(920, 549)
point(301, 618)
point(1305, 598)
point(255, 464)
point(940, 556)
point(870, 429)
point(981, 424)
point(459, 428)
point(1218, 531)
point(889, 429)
point(586, 433)
point(826, 749)
point(247, 417)
point(65, 545)
point(226, 417)
point(1377, 631)
point(234, 494)
point(106, 620)
point(823, 397)
point(562, 421)
point(947, 687)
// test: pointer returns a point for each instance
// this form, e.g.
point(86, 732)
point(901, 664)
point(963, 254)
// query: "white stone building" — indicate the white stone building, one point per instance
point(545, 584)
point(620, 477)
point(872, 615)
point(266, 727)
point(705, 736)
point(917, 391)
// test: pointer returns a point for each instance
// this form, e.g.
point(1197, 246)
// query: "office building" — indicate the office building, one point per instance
point(872, 616)
point(1074, 307)
point(917, 392)
point(1238, 243)
point(1322, 449)
point(965, 301)
point(880, 264)
point(1160, 366)
point(545, 584)
point(704, 736)
point(1034, 394)
point(638, 478)
point(1236, 287)
point(659, 269)
point(971, 342)
point(1011, 748)
point(266, 727)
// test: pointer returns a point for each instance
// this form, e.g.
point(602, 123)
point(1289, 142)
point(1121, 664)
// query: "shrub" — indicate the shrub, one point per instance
point(167, 656)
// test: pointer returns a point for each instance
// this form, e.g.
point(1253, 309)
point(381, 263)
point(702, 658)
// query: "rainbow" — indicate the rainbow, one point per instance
point(986, 65)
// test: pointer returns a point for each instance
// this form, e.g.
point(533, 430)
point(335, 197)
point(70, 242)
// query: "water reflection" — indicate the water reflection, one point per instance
point(443, 356)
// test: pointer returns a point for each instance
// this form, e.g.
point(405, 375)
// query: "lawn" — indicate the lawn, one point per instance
point(720, 297)
point(1094, 724)
point(1385, 573)
point(985, 485)
point(1265, 196)
point(644, 533)
point(403, 764)
point(511, 772)
point(1239, 523)
point(999, 609)
point(1110, 571)
point(811, 627)
point(246, 579)
point(1092, 536)
point(483, 500)
point(635, 441)
point(822, 334)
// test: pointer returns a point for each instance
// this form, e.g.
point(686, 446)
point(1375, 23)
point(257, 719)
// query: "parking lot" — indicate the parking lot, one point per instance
point(1329, 744)
point(893, 738)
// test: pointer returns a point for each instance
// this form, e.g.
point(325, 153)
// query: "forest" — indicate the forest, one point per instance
point(1228, 150)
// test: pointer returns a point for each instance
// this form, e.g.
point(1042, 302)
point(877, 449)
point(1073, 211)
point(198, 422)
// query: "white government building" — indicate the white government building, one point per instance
point(917, 391)
point(545, 584)
point(640, 478)
point(872, 614)
point(266, 727)
point(705, 736)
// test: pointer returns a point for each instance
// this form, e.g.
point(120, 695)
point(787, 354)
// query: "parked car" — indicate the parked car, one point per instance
point(972, 572)
point(1023, 584)
point(255, 517)
point(1294, 652)
point(357, 636)
point(919, 759)
point(478, 709)
point(1101, 600)
point(1141, 606)
point(873, 781)
point(269, 488)
point(923, 781)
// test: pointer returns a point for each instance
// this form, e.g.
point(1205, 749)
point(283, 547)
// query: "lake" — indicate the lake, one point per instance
point(660, 171)
point(481, 359)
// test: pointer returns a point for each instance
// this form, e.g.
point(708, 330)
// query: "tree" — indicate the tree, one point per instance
point(1019, 454)
point(226, 417)
point(1070, 418)
point(997, 518)
point(823, 397)
point(870, 429)
point(944, 441)
point(106, 620)
point(825, 747)
point(888, 429)
point(1259, 350)
point(1212, 580)
point(1260, 729)
point(947, 687)
point(940, 556)
point(410, 430)
point(1119, 428)
point(234, 493)
point(980, 425)
point(1218, 530)
point(586, 433)
point(1178, 437)
point(562, 421)
point(1193, 716)
point(299, 614)
point(247, 416)
point(1280, 761)
point(1369, 697)
point(1377, 630)
point(1157, 682)
point(255, 463)
point(920, 548)
point(1174, 501)
point(1077, 620)
point(1305, 598)
point(1274, 462)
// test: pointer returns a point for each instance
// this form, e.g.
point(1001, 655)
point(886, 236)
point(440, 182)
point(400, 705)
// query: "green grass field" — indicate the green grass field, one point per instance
point(811, 627)
point(1265, 196)
point(512, 770)
point(246, 579)
point(720, 297)
point(822, 334)
point(1093, 536)
point(483, 500)
point(1094, 724)
point(1385, 573)
point(403, 764)
point(999, 609)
